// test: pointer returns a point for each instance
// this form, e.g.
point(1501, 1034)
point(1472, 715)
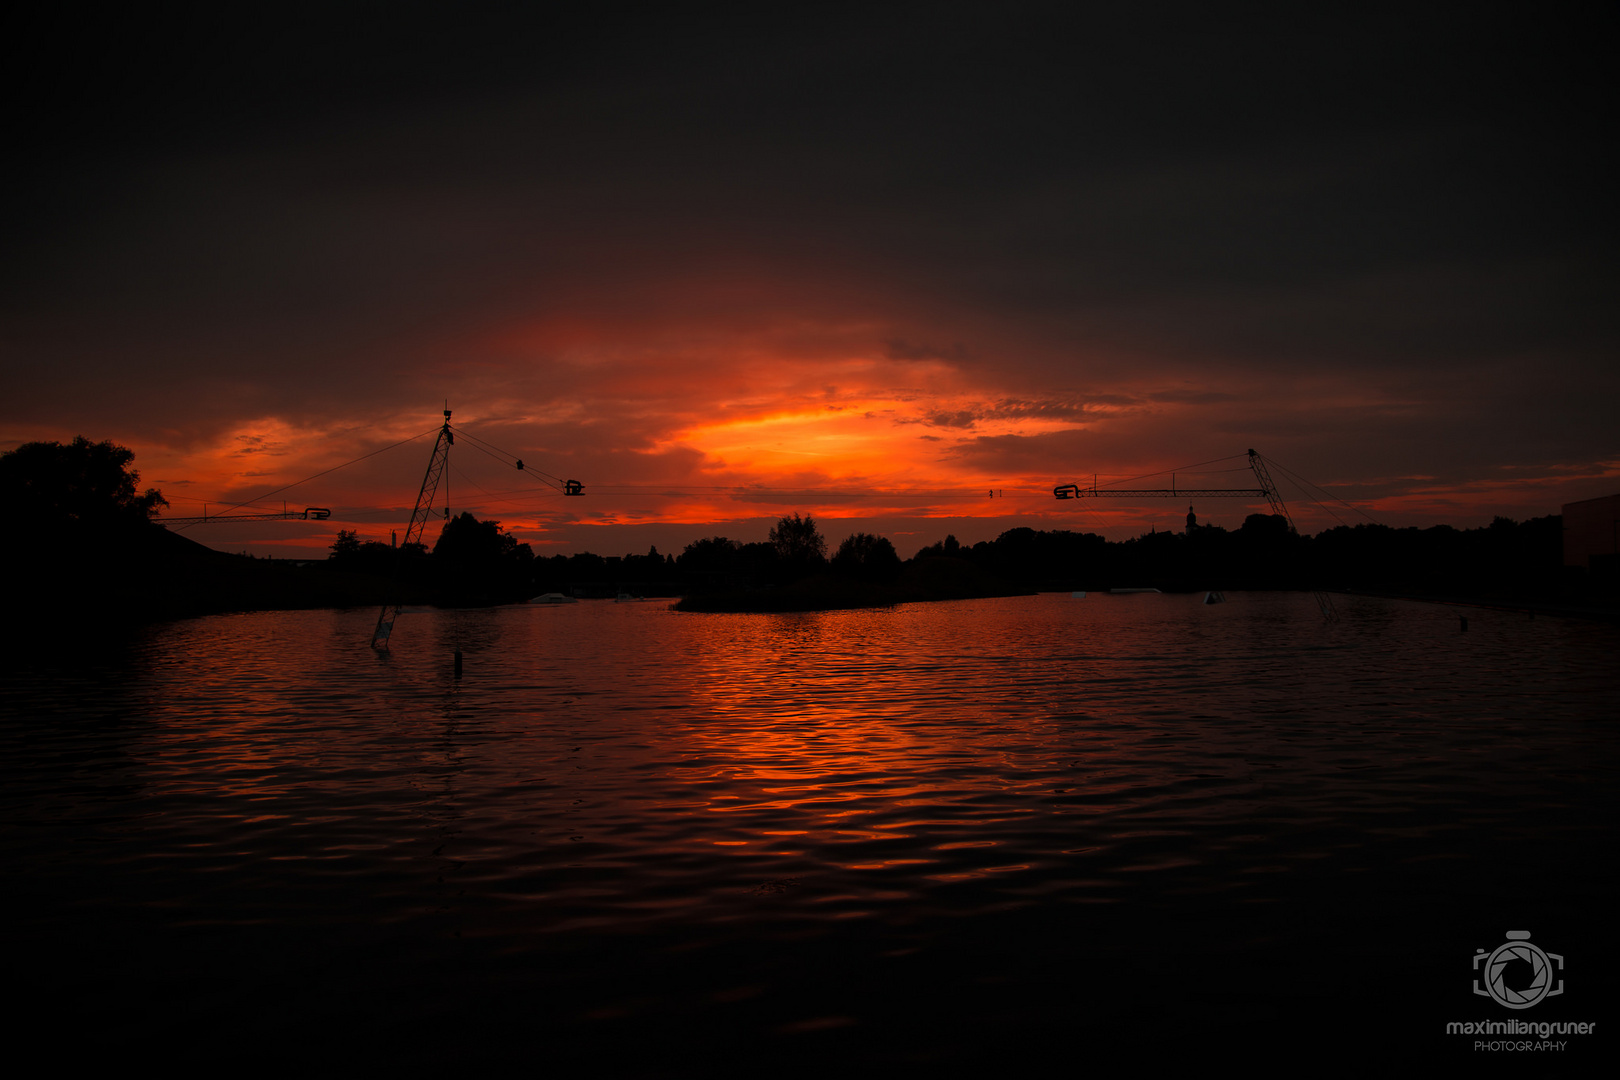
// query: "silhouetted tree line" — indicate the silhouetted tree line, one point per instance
point(795, 551)
point(587, 574)
point(1504, 558)
point(472, 562)
point(476, 561)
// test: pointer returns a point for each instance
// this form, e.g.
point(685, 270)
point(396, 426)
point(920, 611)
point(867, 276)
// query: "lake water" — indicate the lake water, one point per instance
point(983, 834)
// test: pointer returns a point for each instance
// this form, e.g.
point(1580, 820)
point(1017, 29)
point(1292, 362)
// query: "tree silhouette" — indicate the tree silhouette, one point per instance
point(712, 554)
point(466, 538)
point(346, 547)
point(349, 552)
point(798, 539)
point(868, 557)
point(481, 561)
point(799, 546)
point(83, 533)
point(82, 485)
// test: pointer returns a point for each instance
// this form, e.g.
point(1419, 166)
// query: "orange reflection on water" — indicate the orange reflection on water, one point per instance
point(819, 727)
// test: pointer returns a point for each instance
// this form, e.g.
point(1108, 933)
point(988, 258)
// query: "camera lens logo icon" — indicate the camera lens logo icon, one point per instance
point(1507, 986)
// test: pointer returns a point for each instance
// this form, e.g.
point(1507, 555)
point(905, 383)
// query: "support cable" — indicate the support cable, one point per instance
point(507, 457)
point(1183, 468)
point(1306, 483)
point(307, 479)
point(566, 487)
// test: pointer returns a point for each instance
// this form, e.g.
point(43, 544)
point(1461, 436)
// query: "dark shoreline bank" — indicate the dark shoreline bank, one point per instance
point(1563, 609)
point(66, 581)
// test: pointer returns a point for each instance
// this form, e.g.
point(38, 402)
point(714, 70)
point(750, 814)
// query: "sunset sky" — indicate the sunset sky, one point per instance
point(868, 265)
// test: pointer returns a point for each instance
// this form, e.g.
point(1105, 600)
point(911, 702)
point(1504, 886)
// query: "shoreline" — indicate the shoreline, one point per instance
point(1597, 610)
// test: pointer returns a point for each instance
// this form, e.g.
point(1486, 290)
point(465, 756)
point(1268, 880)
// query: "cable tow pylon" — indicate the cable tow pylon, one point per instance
point(419, 516)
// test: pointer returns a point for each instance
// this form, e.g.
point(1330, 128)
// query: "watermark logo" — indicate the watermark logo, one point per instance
point(1518, 974)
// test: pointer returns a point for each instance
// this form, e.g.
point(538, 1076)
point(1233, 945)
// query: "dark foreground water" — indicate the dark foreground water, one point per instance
point(1002, 834)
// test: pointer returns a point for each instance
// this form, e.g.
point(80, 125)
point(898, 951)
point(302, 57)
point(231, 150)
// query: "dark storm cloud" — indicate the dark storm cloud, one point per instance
point(1012, 409)
point(1048, 409)
point(961, 419)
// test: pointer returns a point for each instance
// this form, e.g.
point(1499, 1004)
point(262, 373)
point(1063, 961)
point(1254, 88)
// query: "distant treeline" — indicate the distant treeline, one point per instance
point(479, 562)
point(1505, 558)
point(1502, 558)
